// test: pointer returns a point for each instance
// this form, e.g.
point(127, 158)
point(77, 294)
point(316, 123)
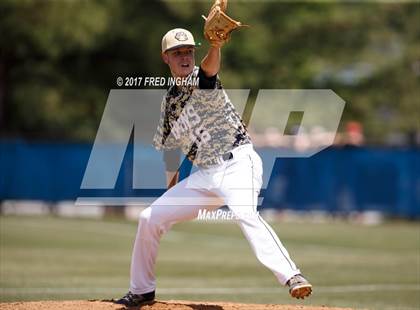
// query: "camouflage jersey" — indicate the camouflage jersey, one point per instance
point(201, 122)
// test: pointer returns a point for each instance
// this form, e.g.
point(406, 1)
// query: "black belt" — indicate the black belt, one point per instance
point(227, 156)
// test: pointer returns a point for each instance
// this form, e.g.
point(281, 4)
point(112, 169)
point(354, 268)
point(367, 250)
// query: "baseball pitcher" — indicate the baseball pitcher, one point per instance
point(200, 121)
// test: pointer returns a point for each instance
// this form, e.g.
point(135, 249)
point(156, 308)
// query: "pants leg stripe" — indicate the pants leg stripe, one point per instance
point(252, 180)
point(262, 221)
point(279, 247)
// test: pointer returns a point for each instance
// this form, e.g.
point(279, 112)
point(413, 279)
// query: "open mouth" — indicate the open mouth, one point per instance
point(185, 65)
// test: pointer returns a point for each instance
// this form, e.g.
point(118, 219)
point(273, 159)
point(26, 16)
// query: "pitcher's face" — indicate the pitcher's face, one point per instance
point(180, 60)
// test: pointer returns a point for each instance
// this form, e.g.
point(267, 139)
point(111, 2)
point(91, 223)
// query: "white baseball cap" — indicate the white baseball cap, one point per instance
point(176, 38)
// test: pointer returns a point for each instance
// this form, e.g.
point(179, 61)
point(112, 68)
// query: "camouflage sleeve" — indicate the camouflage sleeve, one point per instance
point(163, 139)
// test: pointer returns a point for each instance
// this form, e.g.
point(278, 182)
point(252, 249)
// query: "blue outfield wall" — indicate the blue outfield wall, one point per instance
point(335, 180)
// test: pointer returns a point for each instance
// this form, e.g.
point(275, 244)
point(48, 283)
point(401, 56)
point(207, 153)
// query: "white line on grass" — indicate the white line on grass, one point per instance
point(216, 291)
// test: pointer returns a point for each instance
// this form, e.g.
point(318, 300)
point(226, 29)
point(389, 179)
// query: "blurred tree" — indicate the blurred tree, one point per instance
point(59, 59)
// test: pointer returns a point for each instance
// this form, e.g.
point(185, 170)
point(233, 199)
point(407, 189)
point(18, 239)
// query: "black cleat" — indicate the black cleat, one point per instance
point(299, 287)
point(133, 300)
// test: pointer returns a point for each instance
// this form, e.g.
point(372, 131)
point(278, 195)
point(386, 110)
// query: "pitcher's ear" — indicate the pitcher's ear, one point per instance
point(165, 58)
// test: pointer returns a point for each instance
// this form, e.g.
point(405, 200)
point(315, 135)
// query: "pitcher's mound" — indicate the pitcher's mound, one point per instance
point(157, 305)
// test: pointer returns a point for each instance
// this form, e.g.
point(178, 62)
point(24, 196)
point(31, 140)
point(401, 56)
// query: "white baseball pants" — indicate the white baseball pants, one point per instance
point(235, 183)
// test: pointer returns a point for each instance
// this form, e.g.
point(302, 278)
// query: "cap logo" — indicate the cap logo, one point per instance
point(181, 36)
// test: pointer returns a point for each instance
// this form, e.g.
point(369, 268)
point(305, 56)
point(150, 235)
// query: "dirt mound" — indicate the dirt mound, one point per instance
point(157, 305)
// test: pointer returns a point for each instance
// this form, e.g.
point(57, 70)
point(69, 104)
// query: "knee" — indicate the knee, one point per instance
point(145, 216)
point(150, 222)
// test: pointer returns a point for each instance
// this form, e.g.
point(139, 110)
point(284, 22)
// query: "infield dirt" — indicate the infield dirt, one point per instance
point(157, 305)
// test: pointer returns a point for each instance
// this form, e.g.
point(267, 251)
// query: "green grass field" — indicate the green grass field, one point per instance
point(356, 266)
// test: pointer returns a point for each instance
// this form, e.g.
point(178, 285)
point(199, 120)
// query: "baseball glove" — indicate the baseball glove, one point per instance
point(218, 25)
